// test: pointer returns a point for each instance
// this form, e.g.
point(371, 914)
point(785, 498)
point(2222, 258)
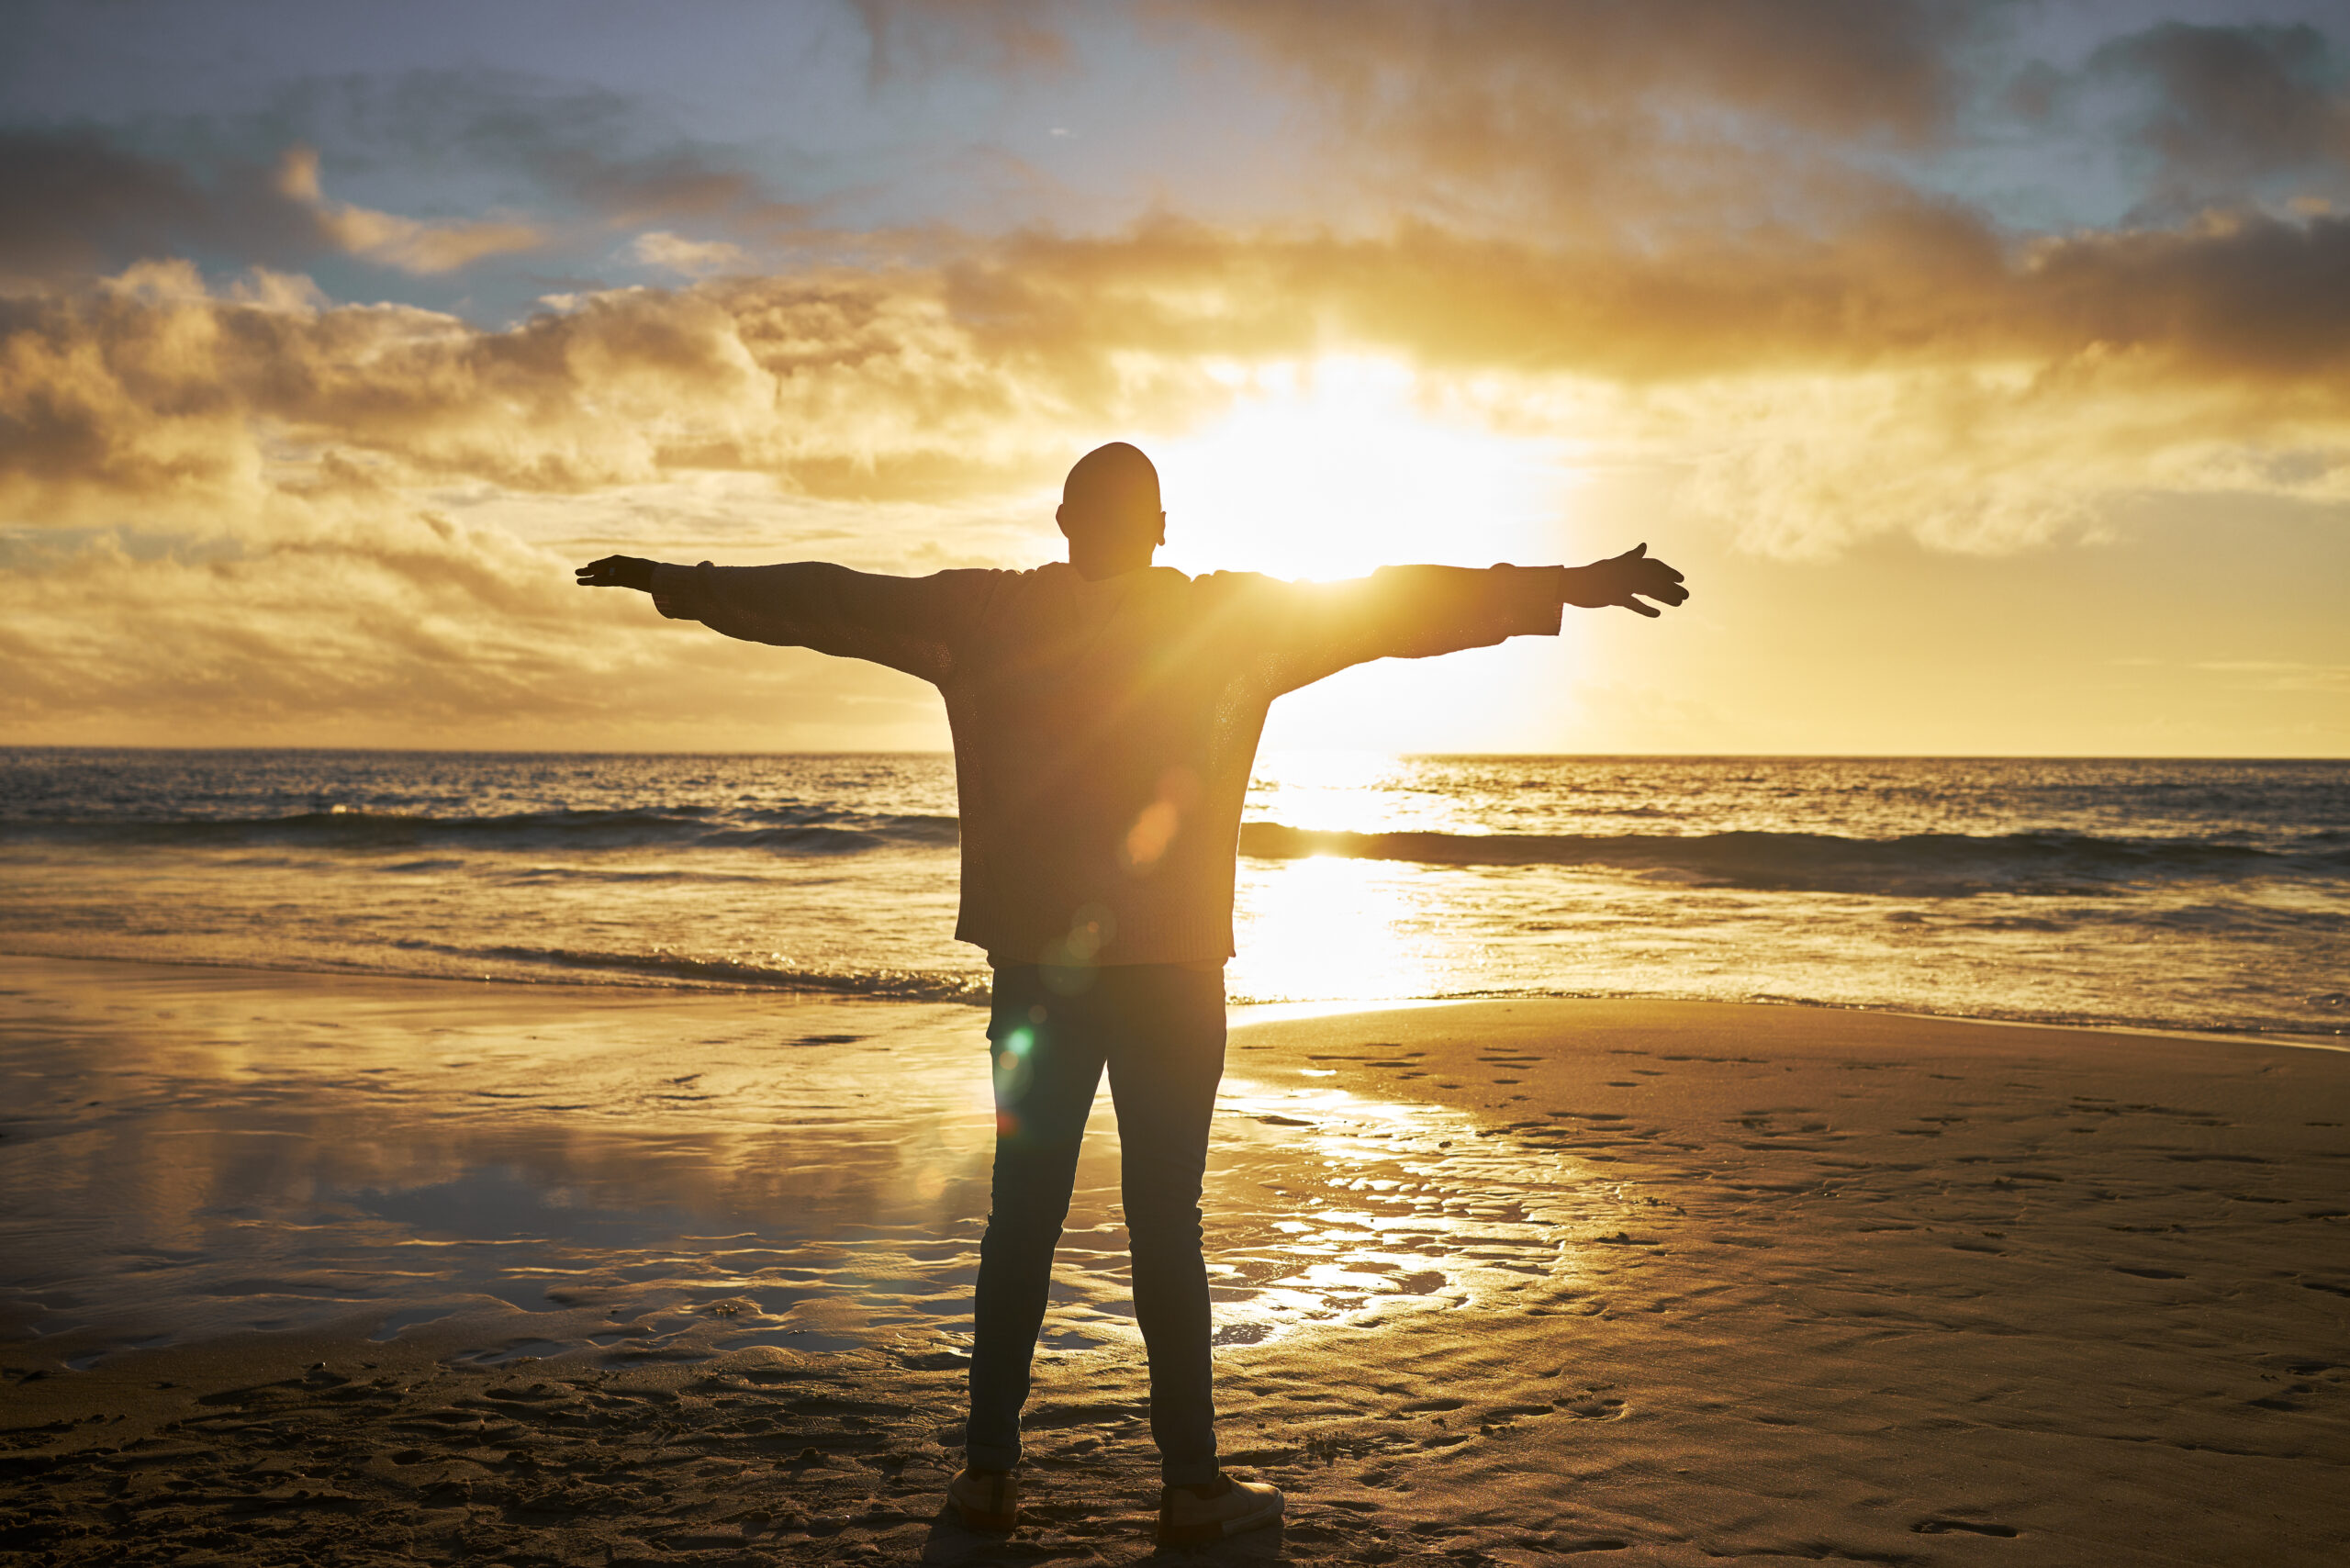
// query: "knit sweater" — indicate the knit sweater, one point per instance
point(1104, 731)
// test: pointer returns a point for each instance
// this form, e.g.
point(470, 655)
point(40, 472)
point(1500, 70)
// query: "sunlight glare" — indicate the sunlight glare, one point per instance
point(1328, 926)
point(1332, 468)
point(1328, 790)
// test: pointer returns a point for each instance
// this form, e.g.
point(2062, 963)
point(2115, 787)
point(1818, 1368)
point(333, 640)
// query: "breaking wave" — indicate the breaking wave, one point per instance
point(1918, 864)
point(789, 831)
point(674, 969)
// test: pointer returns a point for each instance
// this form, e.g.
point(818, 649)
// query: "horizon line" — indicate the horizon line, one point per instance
point(1270, 751)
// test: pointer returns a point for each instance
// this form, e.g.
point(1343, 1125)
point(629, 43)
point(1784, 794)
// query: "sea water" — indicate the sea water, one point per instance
point(2204, 895)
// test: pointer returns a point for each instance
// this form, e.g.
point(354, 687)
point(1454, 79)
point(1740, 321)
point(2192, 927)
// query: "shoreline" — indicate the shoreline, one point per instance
point(1809, 1282)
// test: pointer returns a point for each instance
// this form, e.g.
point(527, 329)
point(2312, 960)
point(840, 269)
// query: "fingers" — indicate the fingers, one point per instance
point(1666, 593)
point(1661, 583)
point(612, 571)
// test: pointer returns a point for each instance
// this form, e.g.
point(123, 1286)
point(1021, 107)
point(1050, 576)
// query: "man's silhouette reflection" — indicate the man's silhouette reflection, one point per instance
point(1106, 713)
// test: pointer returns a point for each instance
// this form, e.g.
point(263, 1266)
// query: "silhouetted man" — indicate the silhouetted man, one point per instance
point(1106, 713)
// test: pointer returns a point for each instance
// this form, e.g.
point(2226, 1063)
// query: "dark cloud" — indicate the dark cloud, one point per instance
point(1471, 79)
point(71, 200)
point(75, 202)
point(83, 200)
point(587, 148)
point(679, 184)
point(2232, 107)
point(2251, 298)
point(1568, 116)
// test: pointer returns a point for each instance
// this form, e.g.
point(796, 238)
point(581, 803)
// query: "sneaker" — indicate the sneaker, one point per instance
point(1190, 1515)
point(986, 1499)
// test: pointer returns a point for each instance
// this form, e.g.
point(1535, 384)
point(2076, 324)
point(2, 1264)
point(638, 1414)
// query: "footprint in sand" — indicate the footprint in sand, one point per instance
point(1598, 1408)
point(1944, 1527)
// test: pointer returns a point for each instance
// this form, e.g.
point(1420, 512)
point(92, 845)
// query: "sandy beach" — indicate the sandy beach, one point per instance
point(1503, 1282)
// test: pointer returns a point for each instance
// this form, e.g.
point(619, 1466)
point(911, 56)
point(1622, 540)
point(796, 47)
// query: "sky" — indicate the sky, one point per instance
point(1986, 367)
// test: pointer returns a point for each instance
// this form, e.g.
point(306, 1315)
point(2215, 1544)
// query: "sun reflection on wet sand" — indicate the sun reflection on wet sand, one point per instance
point(1327, 1207)
point(668, 1177)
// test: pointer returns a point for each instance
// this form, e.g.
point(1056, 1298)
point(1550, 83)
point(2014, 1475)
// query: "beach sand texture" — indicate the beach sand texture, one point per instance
point(1775, 1283)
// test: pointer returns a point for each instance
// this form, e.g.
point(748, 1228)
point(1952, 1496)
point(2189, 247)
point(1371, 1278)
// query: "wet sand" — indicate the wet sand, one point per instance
point(1506, 1281)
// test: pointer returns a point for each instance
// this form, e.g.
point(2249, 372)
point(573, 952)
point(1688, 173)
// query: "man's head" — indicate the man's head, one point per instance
point(1110, 511)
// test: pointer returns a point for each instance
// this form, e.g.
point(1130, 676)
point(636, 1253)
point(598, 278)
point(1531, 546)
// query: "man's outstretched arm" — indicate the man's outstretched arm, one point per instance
point(1415, 612)
point(907, 623)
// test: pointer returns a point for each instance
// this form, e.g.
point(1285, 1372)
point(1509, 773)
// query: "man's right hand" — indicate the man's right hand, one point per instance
point(1620, 577)
point(618, 571)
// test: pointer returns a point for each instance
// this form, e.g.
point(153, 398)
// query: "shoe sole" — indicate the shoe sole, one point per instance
point(1200, 1535)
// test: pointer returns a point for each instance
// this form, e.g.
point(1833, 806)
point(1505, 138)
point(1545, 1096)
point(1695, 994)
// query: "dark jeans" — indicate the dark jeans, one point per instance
point(1161, 1031)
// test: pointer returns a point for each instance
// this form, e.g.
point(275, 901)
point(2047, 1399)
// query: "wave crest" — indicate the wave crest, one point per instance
point(899, 985)
point(1941, 864)
point(809, 831)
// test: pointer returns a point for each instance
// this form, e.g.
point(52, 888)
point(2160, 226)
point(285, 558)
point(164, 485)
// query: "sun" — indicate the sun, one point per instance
point(1336, 467)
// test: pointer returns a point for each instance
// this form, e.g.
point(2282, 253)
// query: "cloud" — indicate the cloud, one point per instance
point(1573, 116)
point(693, 258)
point(610, 153)
point(678, 184)
point(1920, 376)
point(71, 201)
point(150, 392)
point(412, 245)
point(2246, 297)
point(243, 507)
point(362, 618)
point(2228, 108)
point(1530, 86)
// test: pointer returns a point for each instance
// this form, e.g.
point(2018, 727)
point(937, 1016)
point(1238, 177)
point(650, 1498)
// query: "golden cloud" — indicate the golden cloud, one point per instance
point(413, 245)
point(694, 258)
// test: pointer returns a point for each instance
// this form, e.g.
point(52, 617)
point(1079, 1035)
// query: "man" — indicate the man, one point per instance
point(1106, 713)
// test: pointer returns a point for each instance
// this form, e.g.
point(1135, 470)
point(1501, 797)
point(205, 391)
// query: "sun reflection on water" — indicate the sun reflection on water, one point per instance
point(1330, 927)
point(1328, 791)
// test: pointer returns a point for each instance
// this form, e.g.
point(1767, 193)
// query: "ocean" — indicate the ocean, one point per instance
point(2197, 895)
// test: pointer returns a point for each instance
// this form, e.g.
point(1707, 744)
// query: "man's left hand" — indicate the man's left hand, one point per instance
point(1626, 579)
point(618, 571)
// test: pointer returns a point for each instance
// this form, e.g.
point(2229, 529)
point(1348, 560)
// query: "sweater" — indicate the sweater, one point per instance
point(1104, 731)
